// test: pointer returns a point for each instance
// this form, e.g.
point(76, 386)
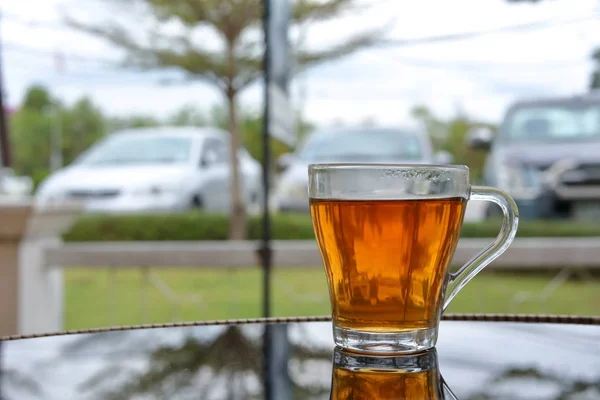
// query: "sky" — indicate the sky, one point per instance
point(479, 76)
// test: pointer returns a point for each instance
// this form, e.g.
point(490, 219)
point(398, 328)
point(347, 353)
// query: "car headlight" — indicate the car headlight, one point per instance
point(49, 199)
point(46, 195)
point(156, 190)
point(519, 179)
point(293, 190)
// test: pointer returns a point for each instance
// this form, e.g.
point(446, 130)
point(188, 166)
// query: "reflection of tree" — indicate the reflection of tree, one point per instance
point(228, 366)
point(18, 381)
point(98, 341)
point(190, 369)
point(567, 389)
point(306, 357)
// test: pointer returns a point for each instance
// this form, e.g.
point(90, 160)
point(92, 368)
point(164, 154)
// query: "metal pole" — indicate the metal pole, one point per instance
point(281, 387)
point(266, 167)
point(265, 249)
point(1, 371)
point(5, 154)
point(56, 157)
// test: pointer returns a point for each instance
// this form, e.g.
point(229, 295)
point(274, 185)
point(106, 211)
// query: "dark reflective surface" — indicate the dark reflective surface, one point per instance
point(477, 360)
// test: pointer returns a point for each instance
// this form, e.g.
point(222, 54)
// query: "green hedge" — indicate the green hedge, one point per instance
point(190, 226)
point(200, 226)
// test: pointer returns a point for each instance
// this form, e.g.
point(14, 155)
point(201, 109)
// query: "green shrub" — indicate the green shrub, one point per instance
point(533, 228)
point(201, 226)
point(189, 226)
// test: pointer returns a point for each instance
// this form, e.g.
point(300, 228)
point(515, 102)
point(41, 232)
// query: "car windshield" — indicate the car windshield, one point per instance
point(139, 149)
point(361, 145)
point(554, 123)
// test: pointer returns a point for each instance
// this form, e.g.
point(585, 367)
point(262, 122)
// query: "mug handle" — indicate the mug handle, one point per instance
point(460, 278)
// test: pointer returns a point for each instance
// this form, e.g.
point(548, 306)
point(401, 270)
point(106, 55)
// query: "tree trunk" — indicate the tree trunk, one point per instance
point(237, 226)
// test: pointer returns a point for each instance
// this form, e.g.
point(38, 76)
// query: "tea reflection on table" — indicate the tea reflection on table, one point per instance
point(395, 377)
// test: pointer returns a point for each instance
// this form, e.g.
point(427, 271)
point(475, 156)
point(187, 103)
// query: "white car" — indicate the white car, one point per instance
point(154, 169)
point(357, 145)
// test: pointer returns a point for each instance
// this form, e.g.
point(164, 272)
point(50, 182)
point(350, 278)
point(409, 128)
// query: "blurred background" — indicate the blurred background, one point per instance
point(119, 120)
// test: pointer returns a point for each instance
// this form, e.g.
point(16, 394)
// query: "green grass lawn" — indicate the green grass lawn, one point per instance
point(102, 297)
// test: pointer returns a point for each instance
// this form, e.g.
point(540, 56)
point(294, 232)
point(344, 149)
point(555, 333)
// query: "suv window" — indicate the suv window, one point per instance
point(367, 144)
point(554, 123)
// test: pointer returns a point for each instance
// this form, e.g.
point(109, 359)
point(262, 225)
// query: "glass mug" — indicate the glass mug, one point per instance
point(408, 377)
point(387, 234)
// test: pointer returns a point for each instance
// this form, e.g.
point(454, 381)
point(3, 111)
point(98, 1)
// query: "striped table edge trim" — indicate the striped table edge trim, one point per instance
point(523, 318)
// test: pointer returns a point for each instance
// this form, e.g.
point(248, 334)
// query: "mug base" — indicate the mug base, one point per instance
point(385, 343)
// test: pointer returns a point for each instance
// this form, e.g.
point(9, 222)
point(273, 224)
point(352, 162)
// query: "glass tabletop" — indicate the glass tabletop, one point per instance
point(473, 360)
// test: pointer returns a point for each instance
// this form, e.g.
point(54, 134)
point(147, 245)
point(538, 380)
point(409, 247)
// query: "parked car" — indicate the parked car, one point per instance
point(154, 169)
point(364, 144)
point(546, 155)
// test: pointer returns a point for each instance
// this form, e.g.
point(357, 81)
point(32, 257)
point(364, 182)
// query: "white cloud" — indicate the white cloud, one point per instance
point(481, 76)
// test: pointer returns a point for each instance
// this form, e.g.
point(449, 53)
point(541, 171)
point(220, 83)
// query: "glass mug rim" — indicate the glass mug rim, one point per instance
point(380, 181)
point(452, 167)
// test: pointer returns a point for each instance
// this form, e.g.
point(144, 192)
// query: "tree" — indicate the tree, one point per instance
point(369, 122)
point(564, 386)
point(233, 66)
point(32, 126)
point(434, 127)
point(251, 131)
point(194, 368)
point(37, 98)
point(135, 121)
point(31, 143)
point(595, 77)
point(81, 126)
point(188, 115)
point(450, 135)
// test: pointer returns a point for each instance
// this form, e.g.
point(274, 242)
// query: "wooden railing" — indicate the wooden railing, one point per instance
point(46, 259)
point(529, 253)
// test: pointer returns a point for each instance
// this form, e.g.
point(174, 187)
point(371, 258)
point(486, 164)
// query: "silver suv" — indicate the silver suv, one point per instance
point(546, 155)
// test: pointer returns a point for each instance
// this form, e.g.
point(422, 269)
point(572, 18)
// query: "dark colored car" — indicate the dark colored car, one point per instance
point(546, 155)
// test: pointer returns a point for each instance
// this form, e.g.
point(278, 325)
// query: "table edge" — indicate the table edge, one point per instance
point(521, 318)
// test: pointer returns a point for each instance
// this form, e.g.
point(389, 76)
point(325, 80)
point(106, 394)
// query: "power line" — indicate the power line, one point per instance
point(383, 43)
point(14, 18)
point(467, 65)
point(489, 65)
point(162, 79)
point(394, 42)
point(99, 75)
point(477, 34)
point(114, 76)
point(49, 53)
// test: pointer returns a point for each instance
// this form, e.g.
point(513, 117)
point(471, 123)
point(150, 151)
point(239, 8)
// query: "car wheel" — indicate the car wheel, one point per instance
point(254, 204)
point(197, 203)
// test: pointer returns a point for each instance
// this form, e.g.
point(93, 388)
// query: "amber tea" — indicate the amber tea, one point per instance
point(369, 384)
point(386, 260)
